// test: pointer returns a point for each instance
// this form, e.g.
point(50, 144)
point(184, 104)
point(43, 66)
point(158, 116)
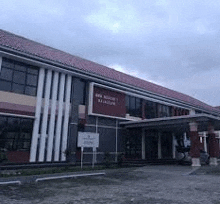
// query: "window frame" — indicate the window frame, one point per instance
point(22, 86)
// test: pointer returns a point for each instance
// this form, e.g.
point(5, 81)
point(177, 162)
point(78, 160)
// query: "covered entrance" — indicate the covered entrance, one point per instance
point(158, 144)
point(160, 138)
point(151, 145)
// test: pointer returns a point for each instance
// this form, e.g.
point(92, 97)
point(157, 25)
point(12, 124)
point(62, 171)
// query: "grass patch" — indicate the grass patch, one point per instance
point(54, 170)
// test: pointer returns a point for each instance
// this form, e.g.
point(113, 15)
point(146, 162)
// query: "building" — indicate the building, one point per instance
point(47, 96)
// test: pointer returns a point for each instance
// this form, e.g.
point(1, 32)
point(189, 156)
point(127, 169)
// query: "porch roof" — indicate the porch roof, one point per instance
point(175, 122)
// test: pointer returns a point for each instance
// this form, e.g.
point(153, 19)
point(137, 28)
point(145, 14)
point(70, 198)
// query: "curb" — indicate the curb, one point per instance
point(68, 176)
point(36, 178)
point(10, 182)
point(192, 172)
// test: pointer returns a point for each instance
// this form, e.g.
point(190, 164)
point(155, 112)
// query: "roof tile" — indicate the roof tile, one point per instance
point(22, 44)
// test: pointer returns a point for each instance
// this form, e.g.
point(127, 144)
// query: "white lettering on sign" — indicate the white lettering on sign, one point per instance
point(88, 139)
point(106, 99)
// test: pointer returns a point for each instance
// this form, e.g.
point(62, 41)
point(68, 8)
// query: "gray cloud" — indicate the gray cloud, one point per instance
point(173, 43)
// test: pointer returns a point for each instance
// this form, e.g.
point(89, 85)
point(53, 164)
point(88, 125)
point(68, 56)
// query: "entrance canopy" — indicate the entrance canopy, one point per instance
point(175, 122)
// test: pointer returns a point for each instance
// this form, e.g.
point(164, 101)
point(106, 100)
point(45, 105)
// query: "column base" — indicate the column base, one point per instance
point(196, 162)
point(213, 161)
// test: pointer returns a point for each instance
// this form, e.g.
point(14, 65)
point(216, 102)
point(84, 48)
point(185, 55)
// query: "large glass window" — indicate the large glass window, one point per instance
point(179, 111)
point(79, 91)
point(18, 77)
point(164, 111)
point(134, 106)
point(150, 109)
point(15, 133)
point(82, 96)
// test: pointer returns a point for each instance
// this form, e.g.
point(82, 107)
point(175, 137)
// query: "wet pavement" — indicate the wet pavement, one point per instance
point(149, 184)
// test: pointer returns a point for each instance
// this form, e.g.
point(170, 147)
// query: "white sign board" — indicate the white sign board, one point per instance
point(88, 139)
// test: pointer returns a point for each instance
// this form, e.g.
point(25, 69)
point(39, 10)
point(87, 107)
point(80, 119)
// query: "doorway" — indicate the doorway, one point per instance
point(166, 145)
point(151, 145)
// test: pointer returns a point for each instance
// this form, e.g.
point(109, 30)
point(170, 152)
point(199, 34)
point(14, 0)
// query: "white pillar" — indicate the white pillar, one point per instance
point(59, 119)
point(52, 117)
point(205, 142)
point(159, 146)
point(213, 161)
point(66, 117)
point(96, 124)
point(0, 63)
point(174, 145)
point(45, 117)
point(218, 133)
point(34, 140)
point(143, 145)
point(96, 130)
point(116, 141)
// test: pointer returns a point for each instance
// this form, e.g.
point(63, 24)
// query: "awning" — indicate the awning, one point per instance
point(175, 122)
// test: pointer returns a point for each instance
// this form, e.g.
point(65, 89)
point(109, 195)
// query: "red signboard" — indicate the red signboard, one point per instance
point(108, 102)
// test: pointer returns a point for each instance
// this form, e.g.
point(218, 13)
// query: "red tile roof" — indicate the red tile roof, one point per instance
point(30, 47)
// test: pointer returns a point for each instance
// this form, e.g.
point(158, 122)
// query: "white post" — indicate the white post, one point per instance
point(34, 140)
point(143, 144)
point(0, 63)
point(96, 124)
point(59, 119)
point(174, 145)
point(219, 138)
point(45, 117)
point(159, 146)
point(66, 117)
point(205, 142)
point(93, 156)
point(52, 117)
point(81, 157)
point(96, 130)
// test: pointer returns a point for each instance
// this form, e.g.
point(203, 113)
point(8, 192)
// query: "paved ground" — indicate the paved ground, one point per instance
point(149, 184)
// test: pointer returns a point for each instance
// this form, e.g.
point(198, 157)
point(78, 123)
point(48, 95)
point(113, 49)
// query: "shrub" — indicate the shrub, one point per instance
point(107, 159)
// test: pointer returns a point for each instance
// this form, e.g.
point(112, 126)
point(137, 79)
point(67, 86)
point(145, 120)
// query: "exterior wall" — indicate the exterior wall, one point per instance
point(108, 128)
point(50, 109)
point(61, 109)
point(17, 103)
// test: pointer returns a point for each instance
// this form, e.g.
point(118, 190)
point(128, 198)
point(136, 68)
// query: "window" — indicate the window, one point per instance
point(164, 111)
point(179, 111)
point(15, 133)
point(18, 77)
point(150, 109)
point(134, 106)
point(79, 91)
point(82, 87)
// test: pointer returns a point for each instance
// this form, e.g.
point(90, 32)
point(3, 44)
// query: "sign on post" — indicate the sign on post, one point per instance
point(88, 139)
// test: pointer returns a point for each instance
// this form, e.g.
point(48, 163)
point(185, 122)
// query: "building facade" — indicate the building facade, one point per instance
point(48, 96)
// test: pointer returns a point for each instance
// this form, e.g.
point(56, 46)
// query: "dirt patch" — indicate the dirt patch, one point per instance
point(150, 184)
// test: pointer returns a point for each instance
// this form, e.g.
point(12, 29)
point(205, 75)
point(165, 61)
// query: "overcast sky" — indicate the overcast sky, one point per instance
point(174, 43)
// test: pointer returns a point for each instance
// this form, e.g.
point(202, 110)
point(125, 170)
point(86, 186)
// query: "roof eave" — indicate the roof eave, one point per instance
point(7, 51)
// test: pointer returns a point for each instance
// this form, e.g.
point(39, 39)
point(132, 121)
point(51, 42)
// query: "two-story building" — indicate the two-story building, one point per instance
point(47, 96)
